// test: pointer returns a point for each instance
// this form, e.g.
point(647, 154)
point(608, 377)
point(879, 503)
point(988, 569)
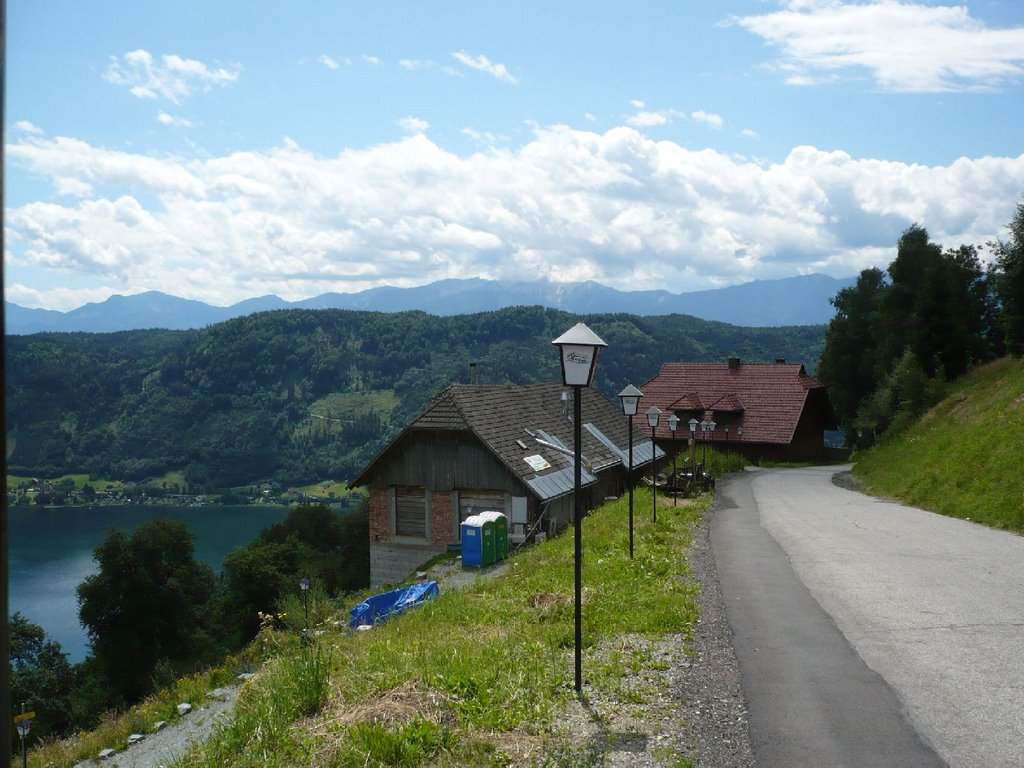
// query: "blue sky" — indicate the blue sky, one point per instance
point(225, 150)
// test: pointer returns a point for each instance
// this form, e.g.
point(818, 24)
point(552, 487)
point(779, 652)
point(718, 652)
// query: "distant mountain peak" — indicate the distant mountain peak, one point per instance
point(802, 300)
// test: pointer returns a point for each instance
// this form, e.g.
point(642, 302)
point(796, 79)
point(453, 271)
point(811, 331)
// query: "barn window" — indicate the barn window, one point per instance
point(410, 511)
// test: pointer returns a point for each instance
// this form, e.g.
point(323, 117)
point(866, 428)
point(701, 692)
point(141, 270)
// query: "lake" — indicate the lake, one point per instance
point(50, 553)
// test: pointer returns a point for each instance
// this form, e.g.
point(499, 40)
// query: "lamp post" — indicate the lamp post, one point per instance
point(630, 398)
point(304, 586)
point(653, 414)
point(693, 449)
point(711, 428)
point(673, 422)
point(579, 348)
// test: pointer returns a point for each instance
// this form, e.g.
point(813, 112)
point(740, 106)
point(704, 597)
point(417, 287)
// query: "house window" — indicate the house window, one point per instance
point(410, 511)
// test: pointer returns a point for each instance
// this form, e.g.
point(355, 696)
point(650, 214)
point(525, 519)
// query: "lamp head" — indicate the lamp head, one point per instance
point(579, 347)
point(653, 414)
point(630, 399)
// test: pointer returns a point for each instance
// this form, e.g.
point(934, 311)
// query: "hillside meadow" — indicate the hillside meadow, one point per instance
point(963, 458)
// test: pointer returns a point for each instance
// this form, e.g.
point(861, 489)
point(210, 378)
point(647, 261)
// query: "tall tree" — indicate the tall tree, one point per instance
point(1009, 275)
point(147, 606)
point(41, 678)
point(850, 362)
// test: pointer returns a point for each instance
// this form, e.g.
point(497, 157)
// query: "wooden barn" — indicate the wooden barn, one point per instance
point(491, 447)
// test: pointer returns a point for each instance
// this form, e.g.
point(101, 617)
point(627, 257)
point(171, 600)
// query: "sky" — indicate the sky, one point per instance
point(226, 150)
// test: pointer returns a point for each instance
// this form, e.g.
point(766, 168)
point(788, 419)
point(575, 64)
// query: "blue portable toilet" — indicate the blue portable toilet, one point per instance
point(473, 542)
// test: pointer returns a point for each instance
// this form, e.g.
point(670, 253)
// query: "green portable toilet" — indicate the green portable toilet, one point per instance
point(487, 528)
point(500, 533)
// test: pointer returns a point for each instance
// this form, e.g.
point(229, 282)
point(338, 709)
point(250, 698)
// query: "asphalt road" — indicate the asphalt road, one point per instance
point(869, 633)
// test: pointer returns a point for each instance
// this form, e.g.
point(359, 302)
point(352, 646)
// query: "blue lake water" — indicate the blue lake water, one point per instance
point(50, 553)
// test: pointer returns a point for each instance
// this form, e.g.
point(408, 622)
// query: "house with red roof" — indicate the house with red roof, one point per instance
point(765, 411)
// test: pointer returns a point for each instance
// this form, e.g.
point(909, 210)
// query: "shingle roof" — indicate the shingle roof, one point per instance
point(500, 415)
point(770, 396)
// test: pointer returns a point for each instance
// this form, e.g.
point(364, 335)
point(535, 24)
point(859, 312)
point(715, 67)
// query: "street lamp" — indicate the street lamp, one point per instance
point(653, 414)
point(630, 398)
point(304, 586)
point(704, 443)
point(579, 348)
point(693, 448)
point(711, 427)
point(673, 422)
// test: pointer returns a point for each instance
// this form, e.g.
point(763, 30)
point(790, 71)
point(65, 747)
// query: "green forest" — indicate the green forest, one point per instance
point(296, 396)
point(900, 336)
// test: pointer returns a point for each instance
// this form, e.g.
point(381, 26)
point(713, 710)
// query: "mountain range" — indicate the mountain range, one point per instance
point(802, 300)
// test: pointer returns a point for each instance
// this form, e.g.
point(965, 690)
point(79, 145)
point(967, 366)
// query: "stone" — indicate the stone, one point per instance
point(135, 738)
point(159, 725)
point(106, 754)
point(221, 694)
point(184, 708)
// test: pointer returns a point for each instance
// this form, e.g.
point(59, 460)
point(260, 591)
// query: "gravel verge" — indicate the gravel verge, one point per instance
point(689, 703)
point(161, 748)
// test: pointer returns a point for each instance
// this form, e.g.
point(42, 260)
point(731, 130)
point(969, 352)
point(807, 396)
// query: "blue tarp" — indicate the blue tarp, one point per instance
point(380, 607)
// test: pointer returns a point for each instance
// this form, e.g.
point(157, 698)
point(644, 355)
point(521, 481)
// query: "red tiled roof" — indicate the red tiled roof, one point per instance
point(769, 396)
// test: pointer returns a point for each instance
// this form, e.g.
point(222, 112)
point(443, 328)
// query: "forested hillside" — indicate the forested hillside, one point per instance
point(295, 396)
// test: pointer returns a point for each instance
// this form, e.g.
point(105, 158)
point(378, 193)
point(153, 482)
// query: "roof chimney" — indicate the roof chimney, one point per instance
point(472, 373)
point(734, 363)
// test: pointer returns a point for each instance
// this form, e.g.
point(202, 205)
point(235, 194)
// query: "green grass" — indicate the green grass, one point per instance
point(329, 489)
point(13, 481)
point(458, 680)
point(114, 729)
point(964, 457)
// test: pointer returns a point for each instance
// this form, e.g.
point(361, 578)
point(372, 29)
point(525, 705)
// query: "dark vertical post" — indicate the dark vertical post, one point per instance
point(578, 531)
point(654, 474)
point(629, 482)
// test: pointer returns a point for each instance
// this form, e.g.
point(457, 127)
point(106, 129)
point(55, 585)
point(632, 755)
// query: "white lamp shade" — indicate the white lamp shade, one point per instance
point(673, 422)
point(693, 425)
point(579, 347)
point(630, 398)
point(653, 414)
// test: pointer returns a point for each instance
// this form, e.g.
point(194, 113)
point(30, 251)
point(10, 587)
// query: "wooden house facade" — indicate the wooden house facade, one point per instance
point(491, 447)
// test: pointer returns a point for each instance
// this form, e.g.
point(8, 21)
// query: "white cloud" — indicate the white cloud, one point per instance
point(372, 60)
point(26, 127)
point(749, 133)
point(708, 118)
point(172, 121)
point(412, 65)
point(637, 103)
point(482, 64)
point(173, 78)
point(412, 124)
point(329, 61)
point(647, 119)
point(909, 47)
point(616, 207)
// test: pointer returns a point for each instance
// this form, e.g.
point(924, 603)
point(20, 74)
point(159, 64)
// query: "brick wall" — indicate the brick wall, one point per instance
point(380, 515)
point(440, 519)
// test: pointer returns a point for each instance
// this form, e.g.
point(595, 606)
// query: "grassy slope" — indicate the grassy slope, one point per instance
point(458, 680)
point(965, 457)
